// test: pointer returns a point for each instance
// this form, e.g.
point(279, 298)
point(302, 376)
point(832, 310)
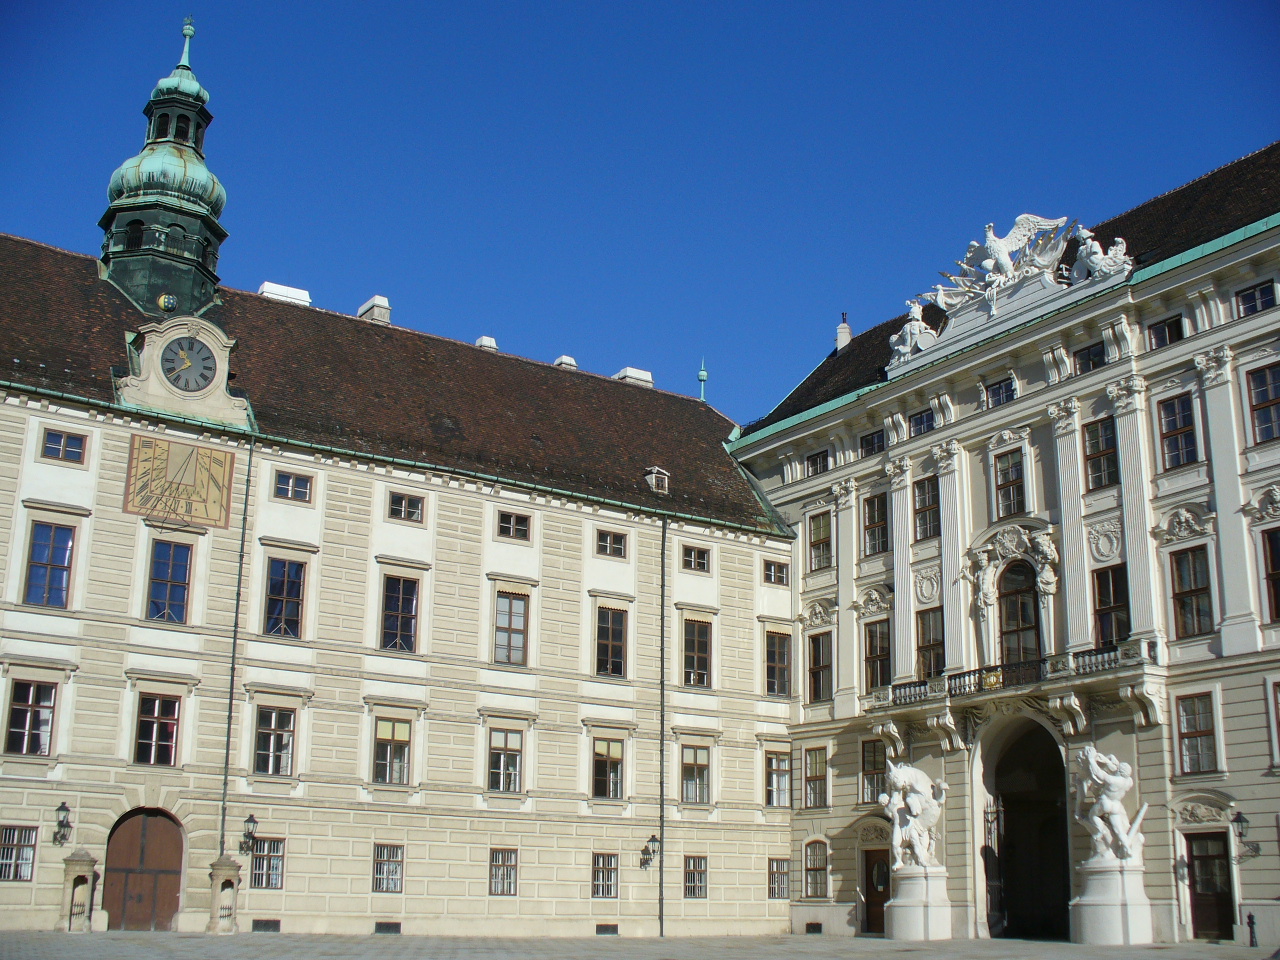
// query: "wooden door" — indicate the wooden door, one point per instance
point(875, 887)
point(1209, 874)
point(143, 875)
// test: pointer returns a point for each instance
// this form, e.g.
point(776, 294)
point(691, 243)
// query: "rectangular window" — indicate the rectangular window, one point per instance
point(611, 642)
point(157, 731)
point(606, 769)
point(49, 565)
point(502, 873)
point(815, 778)
point(696, 558)
point(30, 718)
point(817, 463)
point(399, 613)
point(609, 544)
point(1011, 493)
point(402, 506)
point(267, 870)
point(869, 444)
point(815, 869)
point(1264, 402)
point(511, 629)
point(777, 779)
point(777, 573)
point(879, 673)
point(874, 766)
point(1192, 604)
point(293, 486)
point(170, 581)
point(779, 878)
point(17, 853)
point(514, 526)
point(1271, 564)
point(928, 512)
point(921, 422)
point(1091, 357)
point(777, 664)
point(1177, 432)
point(1197, 751)
point(820, 667)
point(388, 868)
point(604, 876)
point(1111, 604)
point(1102, 463)
point(695, 774)
point(875, 524)
point(1164, 332)
point(505, 750)
point(820, 541)
point(273, 750)
point(695, 878)
point(59, 445)
point(697, 653)
point(931, 657)
point(391, 751)
point(1000, 392)
point(284, 597)
point(1256, 299)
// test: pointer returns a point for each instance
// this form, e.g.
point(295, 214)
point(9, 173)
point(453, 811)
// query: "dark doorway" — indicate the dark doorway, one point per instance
point(143, 875)
point(1209, 875)
point(1027, 853)
point(875, 885)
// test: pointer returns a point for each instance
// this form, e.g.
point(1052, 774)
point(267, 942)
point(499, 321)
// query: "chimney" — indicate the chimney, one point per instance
point(566, 361)
point(844, 335)
point(377, 309)
point(278, 291)
point(487, 343)
point(641, 378)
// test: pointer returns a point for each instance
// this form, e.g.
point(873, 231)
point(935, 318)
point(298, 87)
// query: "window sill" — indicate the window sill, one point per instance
point(26, 764)
point(1214, 776)
point(513, 667)
point(601, 804)
point(815, 810)
point(610, 678)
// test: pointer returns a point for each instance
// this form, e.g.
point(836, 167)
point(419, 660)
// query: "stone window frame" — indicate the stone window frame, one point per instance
point(421, 497)
point(267, 854)
point(1208, 544)
point(154, 683)
point(616, 539)
point(613, 606)
point(25, 836)
point(819, 462)
point(511, 519)
point(42, 437)
point(294, 474)
point(886, 658)
point(277, 697)
point(57, 515)
point(868, 526)
point(809, 752)
point(617, 731)
point(504, 871)
point(869, 446)
point(869, 790)
point(1214, 692)
point(815, 672)
point(1194, 400)
point(406, 568)
point(690, 556)
point(780, 573)
point(514, 585)
point(779, 870)
point(1238, 302)
point(1250, 408)
point(17, 670)
point(605, 880)
point(377, 707)
point(1103, 454)
point(1004, 442)
point(1270, 601)
point(929, 513)
point(776, 748)
point(510, 721)
point(814, 871)
point(179, 741)
point(1166, 324)
point(778, 628)
point(821, 552)
point(937, 647)
point(696, 738)
point(392, 881)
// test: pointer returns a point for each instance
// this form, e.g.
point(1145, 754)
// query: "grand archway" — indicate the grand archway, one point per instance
point(143, 876)
point(1027, 854)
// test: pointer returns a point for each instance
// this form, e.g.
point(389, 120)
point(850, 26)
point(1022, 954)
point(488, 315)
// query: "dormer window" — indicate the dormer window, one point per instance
point(162, 126)
point(182, 130)
point(657, 479)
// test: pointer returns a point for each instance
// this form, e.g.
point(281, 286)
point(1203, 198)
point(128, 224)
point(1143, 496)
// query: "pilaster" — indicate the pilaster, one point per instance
point(845, 512)
point(955, 624)
point(1078, 634)
point(900, 529)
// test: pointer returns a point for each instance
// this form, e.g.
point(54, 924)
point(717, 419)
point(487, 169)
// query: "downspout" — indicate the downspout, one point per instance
point(235, 645)
point(662, 734)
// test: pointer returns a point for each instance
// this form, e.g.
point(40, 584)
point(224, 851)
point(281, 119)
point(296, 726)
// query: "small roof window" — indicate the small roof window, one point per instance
point(657, 479)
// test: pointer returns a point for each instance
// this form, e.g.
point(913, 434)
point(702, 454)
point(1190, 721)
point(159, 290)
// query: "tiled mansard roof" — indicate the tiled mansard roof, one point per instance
point(1233, 196)
point(344, 383)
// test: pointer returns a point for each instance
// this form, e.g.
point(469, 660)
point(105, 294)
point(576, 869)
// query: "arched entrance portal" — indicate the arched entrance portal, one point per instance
point(143, 874)
point(1027, 853)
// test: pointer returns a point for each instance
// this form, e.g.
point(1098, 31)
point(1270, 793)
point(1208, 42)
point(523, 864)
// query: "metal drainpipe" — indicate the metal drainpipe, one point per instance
point(235, 645)
point(662, 735)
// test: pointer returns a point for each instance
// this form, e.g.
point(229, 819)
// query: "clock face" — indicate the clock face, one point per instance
point(188, 364)
point(179, 482)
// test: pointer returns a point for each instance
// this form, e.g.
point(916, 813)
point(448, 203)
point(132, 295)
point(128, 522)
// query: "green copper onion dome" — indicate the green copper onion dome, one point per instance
point(182, 82)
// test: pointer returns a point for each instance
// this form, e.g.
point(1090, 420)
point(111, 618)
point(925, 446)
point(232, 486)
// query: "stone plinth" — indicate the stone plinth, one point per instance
point(919, 908)
point(224, 880)
point(1113, 910)
point(79, 886)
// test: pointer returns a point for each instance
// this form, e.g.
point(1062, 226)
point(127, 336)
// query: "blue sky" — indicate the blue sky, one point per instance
point(635, 184)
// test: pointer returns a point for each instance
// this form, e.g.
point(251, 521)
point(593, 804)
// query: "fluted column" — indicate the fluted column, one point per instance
point(1130, 400)
point(955, 619)
point(1239, 627)
point(846, 640)
point(1075, 585)
point(903, 649)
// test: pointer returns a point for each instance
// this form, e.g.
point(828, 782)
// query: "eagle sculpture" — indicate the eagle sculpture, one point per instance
point(1000, 250)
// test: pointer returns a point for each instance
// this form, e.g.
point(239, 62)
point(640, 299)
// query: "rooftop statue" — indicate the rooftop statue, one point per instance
point(1092, 262)
point(915, 335)
point(914, 806)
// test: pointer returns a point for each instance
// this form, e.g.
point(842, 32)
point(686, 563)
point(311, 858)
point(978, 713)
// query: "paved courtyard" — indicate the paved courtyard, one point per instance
point(262, 946)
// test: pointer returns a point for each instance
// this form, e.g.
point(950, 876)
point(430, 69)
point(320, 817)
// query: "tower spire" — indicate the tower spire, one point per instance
point(188, 31)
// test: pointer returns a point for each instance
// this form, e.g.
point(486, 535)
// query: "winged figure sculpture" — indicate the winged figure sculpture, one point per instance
point(1000, 250)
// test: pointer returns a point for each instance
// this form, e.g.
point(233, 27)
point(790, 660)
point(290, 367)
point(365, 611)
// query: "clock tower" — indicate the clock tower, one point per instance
point(162, 229)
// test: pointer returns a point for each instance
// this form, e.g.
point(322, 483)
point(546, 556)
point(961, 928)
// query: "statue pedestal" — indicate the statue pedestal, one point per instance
point(1113, 910)
point(919, 908)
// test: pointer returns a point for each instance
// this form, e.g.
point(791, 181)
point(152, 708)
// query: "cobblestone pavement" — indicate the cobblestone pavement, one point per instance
point(249, 946)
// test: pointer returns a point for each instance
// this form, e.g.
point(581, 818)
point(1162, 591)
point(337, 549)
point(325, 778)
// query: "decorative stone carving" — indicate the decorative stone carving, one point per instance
point(874, 833)
point(844, 492)
point(944, 410)
point(1091, 262)
point(943, 724)
point(1101, 782)
point(1006, 437)
point(981, 572)
point(1268, 506)
point(945, 455)
point(1146, 701)
point(1069, 712)
point(819, 615)
point(1215, 365)
point(1193, 814)
point(1034, 247)
point(1063, 415)
point(898, 470)
point(1184, 524)
point(895, 428)
point(927, 582)
point(1105, 539)
point(887, 731)
point(913, 803)
point(915, 336)
point(874, 601)
point(1126, 394)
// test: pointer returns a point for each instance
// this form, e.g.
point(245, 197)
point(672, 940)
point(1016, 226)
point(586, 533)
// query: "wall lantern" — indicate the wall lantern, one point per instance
point(1240, 824)
point(650, 851)
point(62, 830)
point(250, 828)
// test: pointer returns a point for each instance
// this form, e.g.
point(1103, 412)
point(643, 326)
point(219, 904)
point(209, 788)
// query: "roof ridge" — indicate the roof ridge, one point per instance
point(48, 246)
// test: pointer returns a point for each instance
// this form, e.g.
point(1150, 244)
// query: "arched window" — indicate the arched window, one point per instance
point(162, 126)
point(176, 237)
point(182, 130)
point(199, 136)
point(1019, 614)
point(815, 869)
point(133, 235)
